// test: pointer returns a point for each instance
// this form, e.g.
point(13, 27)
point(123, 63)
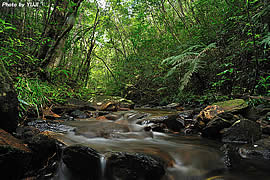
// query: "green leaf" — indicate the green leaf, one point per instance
point(10, 27)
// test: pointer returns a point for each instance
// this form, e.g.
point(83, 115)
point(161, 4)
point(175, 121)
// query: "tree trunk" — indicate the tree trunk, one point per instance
point(61, 22)
point(8, 102)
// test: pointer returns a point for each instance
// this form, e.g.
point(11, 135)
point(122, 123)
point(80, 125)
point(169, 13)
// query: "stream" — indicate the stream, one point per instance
point(186, 157)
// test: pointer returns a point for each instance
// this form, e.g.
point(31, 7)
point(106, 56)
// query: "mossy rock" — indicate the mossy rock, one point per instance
point(225, 109)
point(233, 106)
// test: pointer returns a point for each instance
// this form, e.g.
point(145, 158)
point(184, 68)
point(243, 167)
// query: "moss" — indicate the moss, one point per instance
point(232, 105)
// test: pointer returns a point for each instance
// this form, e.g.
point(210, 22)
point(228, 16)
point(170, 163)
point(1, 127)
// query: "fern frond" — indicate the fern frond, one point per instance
point(194, 48)
point(190, 62)
point(266, 40)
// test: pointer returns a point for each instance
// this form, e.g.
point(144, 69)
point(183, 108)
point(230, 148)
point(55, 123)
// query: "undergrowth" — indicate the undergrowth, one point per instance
point(34, 95)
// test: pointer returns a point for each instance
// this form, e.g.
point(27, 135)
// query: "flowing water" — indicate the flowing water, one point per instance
point(186, 157)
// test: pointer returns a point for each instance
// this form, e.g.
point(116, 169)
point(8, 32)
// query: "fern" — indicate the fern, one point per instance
point(266, 41)
point(191, 59)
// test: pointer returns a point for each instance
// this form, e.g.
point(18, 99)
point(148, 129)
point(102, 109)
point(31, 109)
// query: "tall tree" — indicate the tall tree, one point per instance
point(61, 21)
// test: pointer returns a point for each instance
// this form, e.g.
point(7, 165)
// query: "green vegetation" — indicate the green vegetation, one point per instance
point(153, 52)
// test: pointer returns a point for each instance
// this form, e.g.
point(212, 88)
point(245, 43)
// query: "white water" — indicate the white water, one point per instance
point(102, 166)
point(187, 157)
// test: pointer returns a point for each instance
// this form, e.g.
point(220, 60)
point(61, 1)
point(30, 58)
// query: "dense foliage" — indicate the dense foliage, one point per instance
point(146, 50)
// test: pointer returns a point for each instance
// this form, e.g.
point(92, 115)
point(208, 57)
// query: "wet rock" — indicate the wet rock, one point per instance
point(67, 117)
point(152, 120)
point(158, 127)
point(264, 122)
point(188, 114)
point(252, 114)
point(175, 122)
point(127, 166)
point(242, 131)
point(232, 106)
point(43, 125)
point(260, 150)
point(222, 120)
point(231, 157)
point(7, 139)
point(43, 148)
point(83, 161)
point(15, 156)
point(191, 124)
point(213, 128)
point(232, 118)
point(154, 123)
point(209, 113)
point(26, 132)
point(101, 113)
point(109, 106)
point(79, 114)
point(173, 106)
point(134, 116)
point(117, 115)
point(265, 125)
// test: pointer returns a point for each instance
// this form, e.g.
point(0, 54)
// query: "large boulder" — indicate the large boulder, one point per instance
point(9, 102)
point(175, 122)
point(242, 131)
point(45, 151)
point(260, 150)
point(256, 155)
point(155, 123)
point(233, 106)
point(213, 128)
point(210, 112)
point(43, 148)
point(15, 156)
point(222, 120)
point(82, 161)
point(127, 166)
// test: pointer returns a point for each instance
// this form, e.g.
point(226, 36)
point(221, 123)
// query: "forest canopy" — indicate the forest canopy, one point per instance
point(150, 51)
